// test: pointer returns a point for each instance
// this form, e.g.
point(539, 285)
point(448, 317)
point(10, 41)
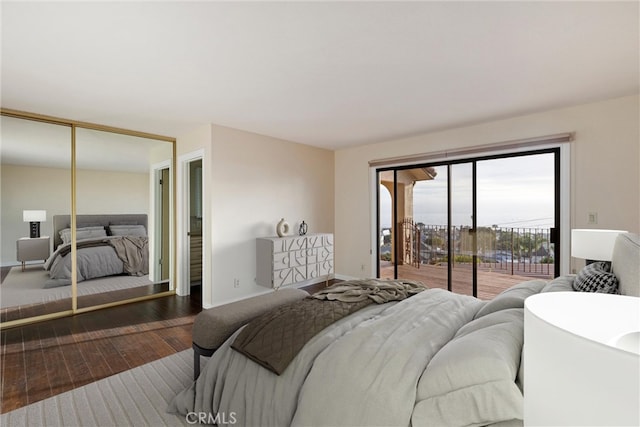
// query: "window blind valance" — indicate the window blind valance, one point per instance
point(475, 150)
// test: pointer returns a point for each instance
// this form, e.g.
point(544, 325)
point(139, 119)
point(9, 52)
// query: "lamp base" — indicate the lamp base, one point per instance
point(34, 229)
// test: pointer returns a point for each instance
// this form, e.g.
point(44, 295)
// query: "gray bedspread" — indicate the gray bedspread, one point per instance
point(383, 347)
point(95, 258)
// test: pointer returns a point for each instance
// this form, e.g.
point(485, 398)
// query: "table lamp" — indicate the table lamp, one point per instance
point(34, 217)
point(593, 245)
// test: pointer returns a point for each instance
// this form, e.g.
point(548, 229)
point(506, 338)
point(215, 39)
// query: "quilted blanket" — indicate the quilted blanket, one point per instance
point(274, 339)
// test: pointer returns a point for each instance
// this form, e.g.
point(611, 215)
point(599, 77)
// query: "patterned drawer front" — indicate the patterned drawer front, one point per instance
point(289, 260)
point(320, 269)
point(319, 240)
point(328, 240)
point(289, 276)
point(316, 255)
point(287, 244)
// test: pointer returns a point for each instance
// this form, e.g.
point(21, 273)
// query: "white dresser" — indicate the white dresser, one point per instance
point(283, 261)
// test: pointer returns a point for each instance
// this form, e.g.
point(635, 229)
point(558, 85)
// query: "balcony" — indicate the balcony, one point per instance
point(504, 256)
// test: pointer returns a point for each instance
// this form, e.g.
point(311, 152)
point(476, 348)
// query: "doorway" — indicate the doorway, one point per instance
point(473, 226)
point(194, 231)
point(161, 233)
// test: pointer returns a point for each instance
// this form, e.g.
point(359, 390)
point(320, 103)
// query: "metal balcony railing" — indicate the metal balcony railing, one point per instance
point(510, 250)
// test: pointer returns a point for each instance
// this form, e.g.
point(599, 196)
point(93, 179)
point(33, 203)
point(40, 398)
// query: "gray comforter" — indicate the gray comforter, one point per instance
point(366, 369)
point(97, 258)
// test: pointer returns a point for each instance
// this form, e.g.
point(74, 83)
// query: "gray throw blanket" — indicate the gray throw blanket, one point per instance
point(379, 290)
point(134, 253)
point(274, 339)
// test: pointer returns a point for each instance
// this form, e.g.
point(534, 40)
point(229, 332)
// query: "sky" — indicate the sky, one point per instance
point(512, 192)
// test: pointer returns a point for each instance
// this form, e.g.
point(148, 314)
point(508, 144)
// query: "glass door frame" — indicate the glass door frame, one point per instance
point(560, 220)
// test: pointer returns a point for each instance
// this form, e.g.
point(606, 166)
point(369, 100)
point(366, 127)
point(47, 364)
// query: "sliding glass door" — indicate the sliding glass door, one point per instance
point(473, 226)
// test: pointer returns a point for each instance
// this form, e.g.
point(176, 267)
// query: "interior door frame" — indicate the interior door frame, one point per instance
point(563, 196)
point(184, 285)
point(155, 272)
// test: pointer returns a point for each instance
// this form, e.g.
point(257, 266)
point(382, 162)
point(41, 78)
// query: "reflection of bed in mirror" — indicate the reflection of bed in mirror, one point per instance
point(107, 245)
point(103, 276)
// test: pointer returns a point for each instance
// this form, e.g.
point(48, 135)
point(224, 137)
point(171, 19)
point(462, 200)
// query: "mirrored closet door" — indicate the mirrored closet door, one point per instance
point(87, 217)
point(123, 198)
point(36, 186)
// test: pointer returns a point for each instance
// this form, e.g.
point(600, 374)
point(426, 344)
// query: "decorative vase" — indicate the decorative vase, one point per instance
point(303, 229)
point(282, 228)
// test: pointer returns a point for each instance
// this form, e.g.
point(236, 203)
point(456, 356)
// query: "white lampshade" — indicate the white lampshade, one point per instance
point(34, 216)
point(592, 244)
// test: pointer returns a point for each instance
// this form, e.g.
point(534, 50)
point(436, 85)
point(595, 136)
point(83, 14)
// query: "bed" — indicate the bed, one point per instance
point(432, 358)
point(107, 245)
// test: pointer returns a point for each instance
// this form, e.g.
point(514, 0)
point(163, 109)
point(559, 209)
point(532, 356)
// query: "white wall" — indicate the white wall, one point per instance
point(251, 181)
point(107, 192)
point(25, 188)
point(99, 192)
point(604, 177)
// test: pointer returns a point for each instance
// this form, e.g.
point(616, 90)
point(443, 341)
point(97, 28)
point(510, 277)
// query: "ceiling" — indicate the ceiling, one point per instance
point(327, 74)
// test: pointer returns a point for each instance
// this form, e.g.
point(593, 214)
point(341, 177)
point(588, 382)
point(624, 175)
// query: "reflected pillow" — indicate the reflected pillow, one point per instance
point(596, 277)
point(127, 230)
point(83, 233)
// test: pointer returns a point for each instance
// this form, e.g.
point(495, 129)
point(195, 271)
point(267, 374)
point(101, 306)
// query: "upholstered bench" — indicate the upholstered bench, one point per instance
point(213, 326)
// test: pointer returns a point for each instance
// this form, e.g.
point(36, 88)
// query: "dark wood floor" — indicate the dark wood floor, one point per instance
point(47, 358)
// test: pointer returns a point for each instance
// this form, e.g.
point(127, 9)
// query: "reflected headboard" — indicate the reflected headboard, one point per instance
point(60, 222)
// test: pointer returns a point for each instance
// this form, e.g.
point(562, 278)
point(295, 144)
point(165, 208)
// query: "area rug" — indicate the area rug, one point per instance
point(23, 288)
point(137, 397)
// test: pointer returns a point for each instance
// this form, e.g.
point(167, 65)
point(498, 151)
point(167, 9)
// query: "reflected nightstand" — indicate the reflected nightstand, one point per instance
point(32, 249)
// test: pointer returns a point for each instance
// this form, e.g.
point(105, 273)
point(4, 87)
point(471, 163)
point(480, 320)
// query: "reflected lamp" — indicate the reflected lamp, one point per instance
point(34, 217)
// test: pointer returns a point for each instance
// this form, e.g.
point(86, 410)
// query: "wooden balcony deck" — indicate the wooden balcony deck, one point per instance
point(490, 281)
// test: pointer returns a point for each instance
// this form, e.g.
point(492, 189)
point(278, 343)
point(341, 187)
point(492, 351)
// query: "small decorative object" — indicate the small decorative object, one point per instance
point(282, 228)
point(303, 229)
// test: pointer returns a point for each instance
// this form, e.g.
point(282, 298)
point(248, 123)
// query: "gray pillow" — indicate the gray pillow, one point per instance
point(83, 233)
point(596, 277)
point(560, 284)
point(127, 230)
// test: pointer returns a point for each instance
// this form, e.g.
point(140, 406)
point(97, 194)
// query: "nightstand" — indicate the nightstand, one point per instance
point(581, 359)
point(32, 249)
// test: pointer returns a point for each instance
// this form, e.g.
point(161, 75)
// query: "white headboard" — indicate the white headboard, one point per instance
point(625, 263)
